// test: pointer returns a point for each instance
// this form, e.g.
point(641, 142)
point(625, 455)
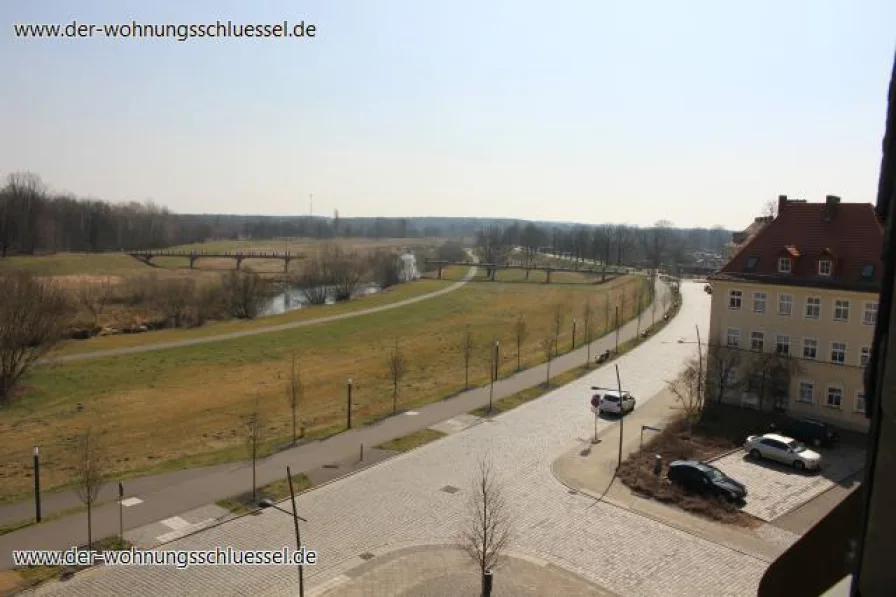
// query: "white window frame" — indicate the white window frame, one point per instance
point(806, 311)
point(728, 337)
point(827, 396)
point(861, 405)
point(845, 352)
point(789, 303)
point(870, 307)
point(829, 268)
point(814, 357)
point(799, 392)
point(779, 343)
point(756, 301)
point(864, 356)
point(762, 334)
point(739, 295)
point(783, 265)
point(843, 308)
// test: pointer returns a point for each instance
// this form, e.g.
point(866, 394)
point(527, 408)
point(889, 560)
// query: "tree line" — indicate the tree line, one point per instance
point(34, 219)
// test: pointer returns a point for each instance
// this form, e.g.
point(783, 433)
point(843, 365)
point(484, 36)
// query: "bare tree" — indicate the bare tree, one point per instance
point(688, 390)
point(316, 278)
point(588, 322)
point(244, 293)
point(519, 329)
point(255, 434)
point(33, 316)
point(93, 296)
point(467, 350)
point(385, 268)
point(548, 345)
point(89, 473)
point(295, 393)
point(492, 247)
point(768, 375)
point(174, 297)
point(397, 370)
point(557, 323)
point(722, 365)
point(488, 526)
point(347, 269)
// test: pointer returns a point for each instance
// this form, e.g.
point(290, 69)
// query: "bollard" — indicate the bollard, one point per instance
point(362, 453)
point(657, 464)
point(487, 583)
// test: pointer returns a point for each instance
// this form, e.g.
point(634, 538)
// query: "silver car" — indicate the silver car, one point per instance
point(782, 449)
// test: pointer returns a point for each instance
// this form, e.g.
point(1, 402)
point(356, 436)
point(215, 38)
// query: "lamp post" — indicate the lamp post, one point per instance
point(617, 330)
point(621, 415)
point(267, 503)
point(573, 333)
point(494, 376)
point(37, 484)
point(348, 415)
point(120, 513)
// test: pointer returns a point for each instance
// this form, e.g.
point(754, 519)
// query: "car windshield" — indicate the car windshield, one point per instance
point(797, 446)
point(611, 398)
point(715, 474)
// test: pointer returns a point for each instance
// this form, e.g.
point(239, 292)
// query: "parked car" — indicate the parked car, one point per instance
point(782, 449)
point(809, 431)
point(703, 478)
point(611, 402)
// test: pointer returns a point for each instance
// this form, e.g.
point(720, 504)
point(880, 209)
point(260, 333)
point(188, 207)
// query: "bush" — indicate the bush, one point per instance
point(244, 293)
point(451, 251)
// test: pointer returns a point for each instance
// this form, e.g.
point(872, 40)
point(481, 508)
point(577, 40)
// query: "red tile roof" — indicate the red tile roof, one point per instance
point(849, 234)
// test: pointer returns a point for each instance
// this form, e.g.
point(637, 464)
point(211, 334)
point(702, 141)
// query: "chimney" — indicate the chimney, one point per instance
point(830, 207)
point(782, 201)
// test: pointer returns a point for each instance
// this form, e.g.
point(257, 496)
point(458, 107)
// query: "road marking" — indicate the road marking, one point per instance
point(131, 501)
point(175, 523)
point(412, 413)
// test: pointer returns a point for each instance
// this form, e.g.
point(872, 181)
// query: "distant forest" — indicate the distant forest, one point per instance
point(34, 220)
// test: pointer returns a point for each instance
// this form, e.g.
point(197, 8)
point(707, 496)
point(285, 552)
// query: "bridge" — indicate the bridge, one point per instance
point(491, 268)
point(146, 256)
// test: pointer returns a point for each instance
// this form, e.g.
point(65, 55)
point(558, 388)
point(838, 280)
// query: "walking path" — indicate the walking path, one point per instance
point(420, 499)
point(168, 494)
point(113, 352)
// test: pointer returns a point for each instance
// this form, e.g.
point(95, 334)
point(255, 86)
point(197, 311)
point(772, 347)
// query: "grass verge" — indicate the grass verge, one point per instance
point(411, 441)
point(31, 576)
point(21, 524)
point(275, 490)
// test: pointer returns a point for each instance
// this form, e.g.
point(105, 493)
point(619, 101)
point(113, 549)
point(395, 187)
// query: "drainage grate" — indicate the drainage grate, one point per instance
point(366, 556)
point(450, 489)
point(572, 491)
point(331, 466)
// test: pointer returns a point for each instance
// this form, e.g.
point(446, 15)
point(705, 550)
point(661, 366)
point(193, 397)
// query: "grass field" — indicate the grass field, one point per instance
point(393, 295)
point(185, 407)
point(121, 265)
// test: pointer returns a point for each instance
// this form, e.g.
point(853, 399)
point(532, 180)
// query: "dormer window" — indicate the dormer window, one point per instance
point(867, 271)
point(752, 262)
point(784, 265)
point(824, 267)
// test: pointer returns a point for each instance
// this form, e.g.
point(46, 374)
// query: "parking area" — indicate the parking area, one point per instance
point(775, 489)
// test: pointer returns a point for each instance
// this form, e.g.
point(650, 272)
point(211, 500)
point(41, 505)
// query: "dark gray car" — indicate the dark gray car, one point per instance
point(700, 477)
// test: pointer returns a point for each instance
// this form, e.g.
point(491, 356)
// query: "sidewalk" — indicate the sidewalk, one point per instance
point(168, 494)
point(591, 470)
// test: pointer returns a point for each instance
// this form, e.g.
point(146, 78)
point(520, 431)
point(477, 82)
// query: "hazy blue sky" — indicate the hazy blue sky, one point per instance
point(590, 111)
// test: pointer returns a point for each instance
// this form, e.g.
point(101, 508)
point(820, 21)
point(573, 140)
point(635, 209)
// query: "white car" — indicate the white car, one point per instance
point(612, 403)
point(783, 449)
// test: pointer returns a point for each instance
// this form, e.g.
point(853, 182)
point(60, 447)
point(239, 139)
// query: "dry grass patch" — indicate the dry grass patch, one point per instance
point(411, 441)
point(275, 490)
point(184, 407)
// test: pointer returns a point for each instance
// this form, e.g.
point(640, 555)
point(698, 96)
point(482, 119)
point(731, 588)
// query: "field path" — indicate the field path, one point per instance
point(114, 352)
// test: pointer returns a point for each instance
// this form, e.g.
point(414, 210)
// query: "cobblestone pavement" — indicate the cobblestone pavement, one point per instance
point(776, 489)
point(448, 572)
point(401, 503)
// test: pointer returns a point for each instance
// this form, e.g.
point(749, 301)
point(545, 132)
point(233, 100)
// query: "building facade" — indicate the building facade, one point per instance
point(793, 313)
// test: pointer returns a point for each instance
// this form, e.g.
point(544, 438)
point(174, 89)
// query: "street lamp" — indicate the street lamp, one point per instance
point(349, 410)
point(36, 484)
point(268, 503)
point(573, 333)
point(494, 376)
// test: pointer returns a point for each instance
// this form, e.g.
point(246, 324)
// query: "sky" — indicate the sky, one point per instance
point(697, 112)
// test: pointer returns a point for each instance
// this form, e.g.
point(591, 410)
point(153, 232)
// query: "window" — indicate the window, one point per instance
point(824, 267)
point(869, 317)
point(841, 310)
point(759, 301)
point(865, 356)
point(807, 392)
point(734, 299)
point(785, 304)
point(733, 339)
point(813, 307)
point(867, 271)
point(838, 353)
point(835, 396)
point(810, 348)
point(752, 262)
point(782, 345)
point(784, 265)
point(757, 341)
point(860, 402)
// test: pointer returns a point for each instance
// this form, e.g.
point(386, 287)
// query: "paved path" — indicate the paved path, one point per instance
point(96, 354)
point(402, 503)
point(168, 494)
